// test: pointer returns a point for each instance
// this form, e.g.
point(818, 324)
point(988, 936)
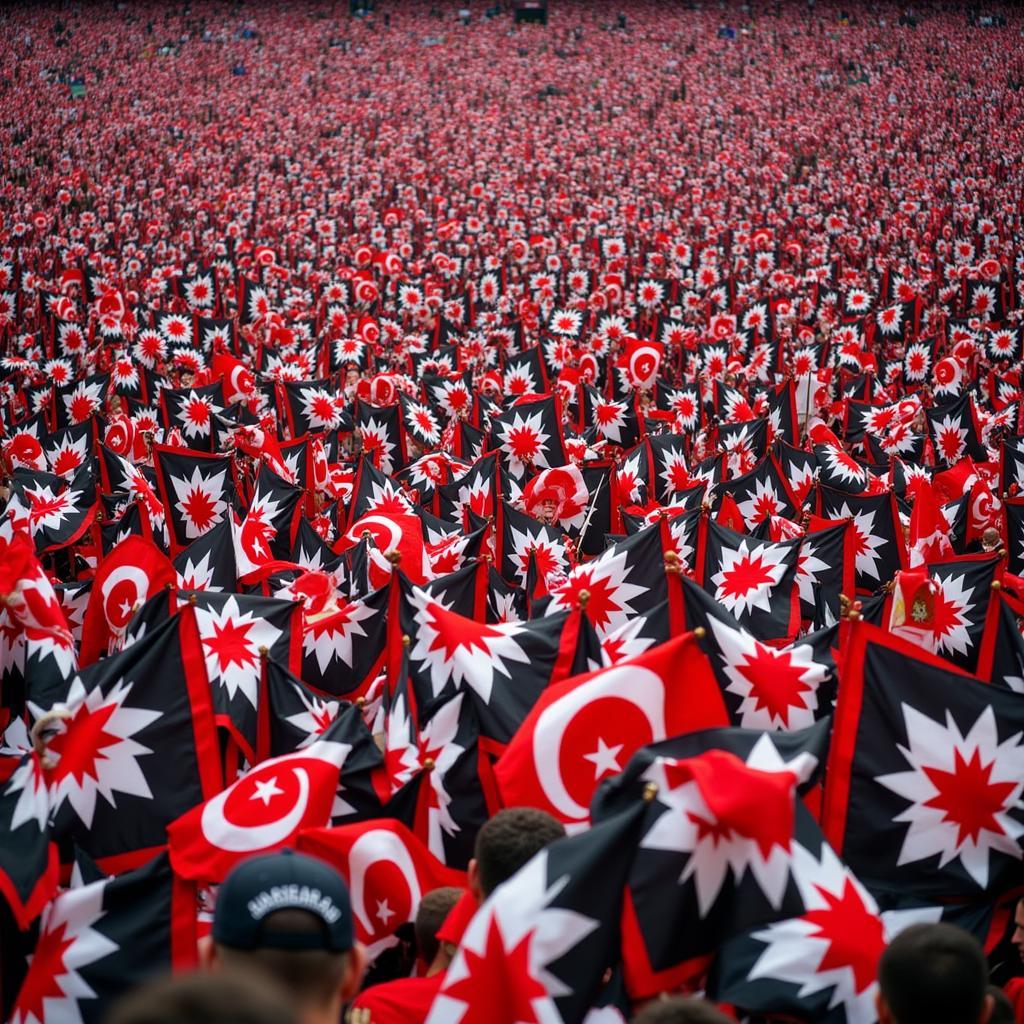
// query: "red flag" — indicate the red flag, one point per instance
point(388, 871)
point(642, 360)
point(263, 811)
point(589, 726)
point(132, 573)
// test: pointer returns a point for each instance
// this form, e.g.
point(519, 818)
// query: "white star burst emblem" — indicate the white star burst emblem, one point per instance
point(33, 803)
point(748, 575)
point(196, 412)
point(549, 554)
point(200, 500)
point(834, 944)
point(111, 765)
point(67, 942)
point(604, 579)
point(951, 438)
point(951, 619)
point(779, 686)
point(523, 440)
point(375, 438)
point(808, 567)
point(331, 637)
point(522, 912)
point(316, 717)
point(867, 542)
point(961, 788)
point(463, 650)
point(760, 503)
point(716, 848)
point(231, 642)
point(197, 575)
point(320, 409)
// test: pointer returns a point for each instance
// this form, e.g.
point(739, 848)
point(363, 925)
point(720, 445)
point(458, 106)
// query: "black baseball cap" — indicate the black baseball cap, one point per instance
point(285, 880)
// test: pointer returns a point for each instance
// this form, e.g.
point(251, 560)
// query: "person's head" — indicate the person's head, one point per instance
point(933, 972)
point(205, 999)
point(505, 843)
point(430, 915)
point(680, 1010)
point(287, 916)
point(1017, 938)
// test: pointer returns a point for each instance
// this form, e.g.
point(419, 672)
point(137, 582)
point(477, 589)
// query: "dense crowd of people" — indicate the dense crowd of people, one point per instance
point(511, 512)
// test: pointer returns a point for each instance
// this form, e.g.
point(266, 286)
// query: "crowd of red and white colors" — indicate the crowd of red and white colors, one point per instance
point(458, 148)
point(625, 165)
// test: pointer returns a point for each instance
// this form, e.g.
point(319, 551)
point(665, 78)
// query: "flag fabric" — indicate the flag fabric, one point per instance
point(923, 784)
point(357, 486)
point(588, 727)
point(102, 940)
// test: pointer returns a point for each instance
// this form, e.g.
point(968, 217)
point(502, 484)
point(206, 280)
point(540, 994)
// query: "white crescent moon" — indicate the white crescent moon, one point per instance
point(370, 848)
point(124, 573)
point(394, 532)
point(641, 687)
point(235, 838)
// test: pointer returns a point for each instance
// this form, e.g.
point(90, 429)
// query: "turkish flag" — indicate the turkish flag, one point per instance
point(132, 573)
point(239, 383)
point(642, 360)
point(390, 534)
point(263, 811)
point(588, 727)
point(388, 871)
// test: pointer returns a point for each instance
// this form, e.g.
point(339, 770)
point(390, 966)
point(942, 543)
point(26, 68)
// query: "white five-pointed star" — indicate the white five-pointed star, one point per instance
point(384, 912)
point(605, 758)
point(266, 791)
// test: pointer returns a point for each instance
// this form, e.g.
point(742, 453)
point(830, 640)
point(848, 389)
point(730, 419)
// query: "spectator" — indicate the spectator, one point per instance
point(933, 972)
point(680, 1010)
point(505, 843)
point(287, 917)
point(205, 999)
point(407, 1000)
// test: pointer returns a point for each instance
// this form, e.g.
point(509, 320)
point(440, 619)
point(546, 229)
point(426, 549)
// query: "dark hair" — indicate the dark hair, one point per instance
point(1002, 1008)
point(221, 998)
point(681, 1010)
point(934, 972)
point(433, 909)
point(508, 840)
point(310, 976)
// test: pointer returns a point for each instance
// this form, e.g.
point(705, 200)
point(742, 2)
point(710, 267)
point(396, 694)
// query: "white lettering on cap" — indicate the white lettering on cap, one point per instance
point(293, 897)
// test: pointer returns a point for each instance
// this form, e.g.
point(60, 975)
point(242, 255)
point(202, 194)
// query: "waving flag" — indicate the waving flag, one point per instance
point(587, 728)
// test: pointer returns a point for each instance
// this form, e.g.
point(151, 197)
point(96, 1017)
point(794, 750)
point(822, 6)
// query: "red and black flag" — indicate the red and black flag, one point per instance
point(197, 491)
point(543, 938)
point(717, 850)
point(315, 407)
point(440, 771)
point(192, 411)
point(879, 547)
point(134, 745)
point(503, 668)
point(925, 774)
point(29, 869)
point(821, 965)
point(754, 580)
point(102, 940)
point(765, 686)
point(238, 634)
